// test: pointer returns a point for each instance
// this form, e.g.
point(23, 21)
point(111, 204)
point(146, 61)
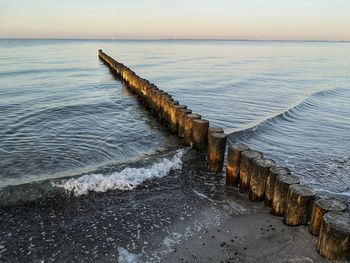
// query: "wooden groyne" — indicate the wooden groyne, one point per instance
point(246, 168)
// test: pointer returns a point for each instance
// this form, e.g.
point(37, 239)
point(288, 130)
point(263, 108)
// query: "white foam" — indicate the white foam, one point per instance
point(127, 179)
point(200, 194)
point(170, 241)
point(203, 196)
point(345, 193)
point(126, 257)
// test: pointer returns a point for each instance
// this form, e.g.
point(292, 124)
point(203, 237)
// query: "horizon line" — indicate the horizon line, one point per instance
point(177, 39)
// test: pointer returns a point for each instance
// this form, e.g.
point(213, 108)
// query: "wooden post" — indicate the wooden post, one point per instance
point(171, 107)
point(182, 115)
point(334, 239)
point(159, 103)
point(212, 130)
point(162, 99)
point(167, 106)
point(280, 192)
point(320, 207)
point(247, 158)
point(174, 117)
point(270, 182)
point(299, 202)
point(216, 151)
point(149, 98)
point(188, 127)
point(200, 134)
point(258, 178)
point(156, 94)
point(234, 162)
point(152, 98)
point(165, 101)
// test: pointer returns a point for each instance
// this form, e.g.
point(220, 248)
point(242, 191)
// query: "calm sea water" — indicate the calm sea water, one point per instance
point(64, 115)
point(69, 132)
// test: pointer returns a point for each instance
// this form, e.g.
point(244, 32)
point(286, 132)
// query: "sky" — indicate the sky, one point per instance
point(157, 19)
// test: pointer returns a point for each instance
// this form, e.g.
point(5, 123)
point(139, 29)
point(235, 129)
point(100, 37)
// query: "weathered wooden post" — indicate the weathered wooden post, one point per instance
point(299, 202)
point(182, 115)
point(234, 162)
point(151, 95)
point(216, 151)
point(148, 98)
point(271, 180)
point(212, 130)
point(164, 103)
point(188, 127)
point(154, 93)
point(174, 117)
point(169, 102)
point(200, 134)
point(144, 90)
point(162, 98)
point(247, 158)
point(280, 192)
point(258, 178)
point(334, 239)
point(158, 97)
point(169, 108)
point(161, 101)
point(320, 207)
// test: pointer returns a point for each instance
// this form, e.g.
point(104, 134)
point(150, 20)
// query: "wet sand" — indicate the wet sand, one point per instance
point(187, 216)
point(249, 238)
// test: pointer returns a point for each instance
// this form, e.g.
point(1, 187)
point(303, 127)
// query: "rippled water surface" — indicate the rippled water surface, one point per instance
point(63, 114)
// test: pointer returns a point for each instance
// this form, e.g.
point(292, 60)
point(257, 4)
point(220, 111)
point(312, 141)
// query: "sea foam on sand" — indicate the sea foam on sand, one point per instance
point(127, 179)
point(126, 257)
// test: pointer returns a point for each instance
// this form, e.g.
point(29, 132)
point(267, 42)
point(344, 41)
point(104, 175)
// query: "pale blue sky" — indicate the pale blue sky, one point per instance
point(249, 19)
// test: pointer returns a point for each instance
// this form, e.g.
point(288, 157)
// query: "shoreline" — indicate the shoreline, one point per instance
point(162, 220)
point(257, 237)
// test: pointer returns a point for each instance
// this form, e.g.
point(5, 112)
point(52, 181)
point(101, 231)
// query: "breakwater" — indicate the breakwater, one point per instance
point(260, 177)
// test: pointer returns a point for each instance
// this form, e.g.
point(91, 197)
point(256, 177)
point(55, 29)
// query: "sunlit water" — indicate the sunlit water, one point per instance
point(63, 114)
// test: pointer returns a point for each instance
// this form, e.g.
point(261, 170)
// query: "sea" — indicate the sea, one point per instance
point(77, 145)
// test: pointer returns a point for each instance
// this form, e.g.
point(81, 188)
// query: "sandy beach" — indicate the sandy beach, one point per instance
point(187, 216)
point(256, 237)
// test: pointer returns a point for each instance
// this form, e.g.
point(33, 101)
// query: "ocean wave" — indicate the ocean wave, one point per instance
point(74, 109)
point(291, 114)
point(127, 179)
point(42, 71)
point(312, 139)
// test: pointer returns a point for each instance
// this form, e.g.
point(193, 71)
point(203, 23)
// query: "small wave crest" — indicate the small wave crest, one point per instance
point(127, 179)
point(290, 115)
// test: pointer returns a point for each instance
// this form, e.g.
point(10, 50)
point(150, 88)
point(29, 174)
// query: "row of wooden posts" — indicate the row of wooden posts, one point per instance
point(263, 180)
point(247, 169)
